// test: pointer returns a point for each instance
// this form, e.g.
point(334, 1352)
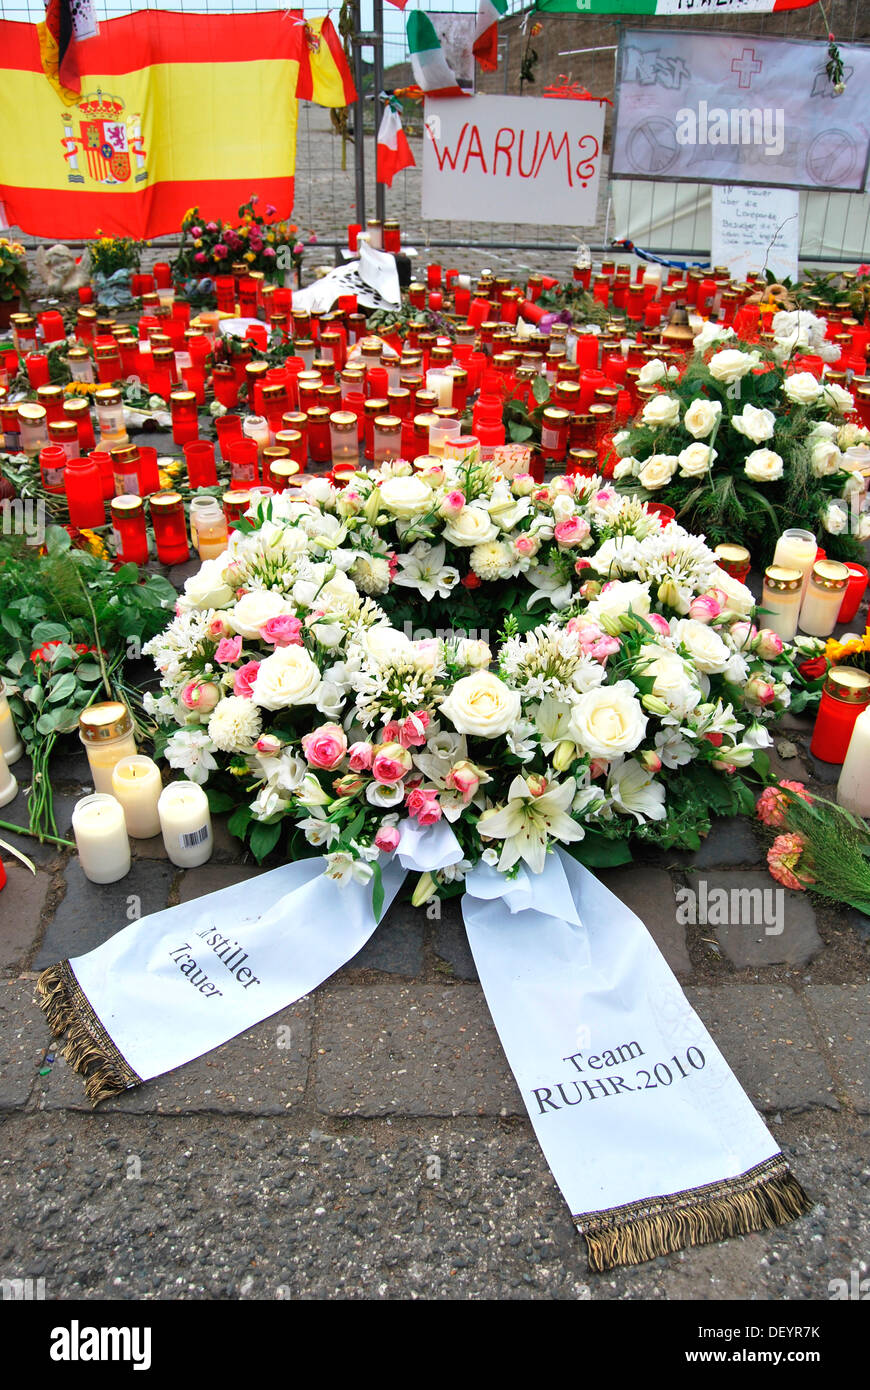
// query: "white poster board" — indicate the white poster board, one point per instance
point(512, 159)
point(756, 229)
point(736, 108)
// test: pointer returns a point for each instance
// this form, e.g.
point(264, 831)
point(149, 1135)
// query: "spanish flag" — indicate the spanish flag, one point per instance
point(175, 110)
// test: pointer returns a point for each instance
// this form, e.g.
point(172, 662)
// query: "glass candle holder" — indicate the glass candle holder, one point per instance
point(796, 549)
point(293, 441)
point(65, 433)
point(129, 531)
point(781, 600)
point(235, 503)
point(8, 783)
point(225, 386)
point(319, 441)
point(442, 429)
point(228, 428)
point(170, 531)
point(200, 460)
point(243, 457)
point(110, 416)
point(80, 364)
point(52, 462)
point(100, 832)
point(285, 473)
point(108, 362)
point(125, 470)
point(845, 694)
point(344, 443)
point(10, 743)
point(387, 438)
point(821, 604)
point(32, 428)
point(185, 419)
point(212, 531)
point(84, 493)
point(734, 560)
point(854, 592)
point(185, 821)
point(106, 730)
point(554, 433)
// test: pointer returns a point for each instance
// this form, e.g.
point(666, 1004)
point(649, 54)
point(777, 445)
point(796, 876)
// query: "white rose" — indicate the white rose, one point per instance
point(671, 681)
point(711, 333)
point(754, 423)
point(703, 643)
point(701, 417)
point(740, 598)
point(616, 599)
point(625, 468)
point(661, 410)
point(338, 595)
point(482, 705)
point(657, 471)
point(406, 497)
point(823, 430)
point(386, 644)
point(834, 396)
point(835, 519)
point(256, 608)
point(763, 466)
point(288, 677)
point(207, 588)
point(730, 365)
point(473, 653)
point(826, 458)
point(696, 460)
point(473, 526)
point(608, 721)
point(802, 388)
point(651, 372)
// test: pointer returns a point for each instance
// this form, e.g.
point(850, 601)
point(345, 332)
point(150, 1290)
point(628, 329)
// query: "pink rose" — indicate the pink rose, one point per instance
point(282, 631)
point(387, 839)
point(244, 680)
point(217, 627)
point(651, 761)
point(526, 545)
point(759, 691)
point(200, 696)
point(604, 497)
point(597, 768)
point(211, 226)
point(659, 623)
point(228, 650)
point(220, 251)
point(390, 763)
point(581, 565)
point(348, 785)
point(453, 503)
point(603, 648)
point(704, 608)
point(423, 805)
point(268, 746)
point(769, 644)
point(412, 731)
point(200, 257)
point(743, 634)
point(464, 778)
point(196, 231)
point(325, 747)
point(360, 756)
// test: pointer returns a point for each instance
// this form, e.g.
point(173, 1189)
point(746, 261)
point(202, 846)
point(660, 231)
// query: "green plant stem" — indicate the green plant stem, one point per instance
point(23, 830)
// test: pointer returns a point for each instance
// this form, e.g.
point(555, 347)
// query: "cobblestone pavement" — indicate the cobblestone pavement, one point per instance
point(370, 1141)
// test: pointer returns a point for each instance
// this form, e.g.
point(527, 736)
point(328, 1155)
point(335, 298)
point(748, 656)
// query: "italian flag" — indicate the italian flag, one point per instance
point(485, 46)
point(432, 72)
point(667, 7)
point(394, 152)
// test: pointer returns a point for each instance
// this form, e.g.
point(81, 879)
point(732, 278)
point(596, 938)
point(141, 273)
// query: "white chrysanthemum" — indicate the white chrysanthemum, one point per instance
point(371, 574)
point(492, 560)
point(235, 724)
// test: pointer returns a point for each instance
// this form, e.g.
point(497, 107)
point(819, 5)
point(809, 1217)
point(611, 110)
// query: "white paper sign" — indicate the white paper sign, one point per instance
point(512, 159)
point(756, 229)
point(736, 108)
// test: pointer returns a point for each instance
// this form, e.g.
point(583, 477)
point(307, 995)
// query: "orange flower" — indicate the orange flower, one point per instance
point(772, 806)
point(783, 860)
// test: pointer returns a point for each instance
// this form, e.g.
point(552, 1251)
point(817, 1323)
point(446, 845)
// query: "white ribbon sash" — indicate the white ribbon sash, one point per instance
point(649, 1136)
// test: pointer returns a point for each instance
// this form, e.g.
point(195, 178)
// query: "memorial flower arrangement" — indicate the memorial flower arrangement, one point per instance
point(209, 246)
point(620, 690)
point(741, 446)
point(13, 269)
point(112, 253)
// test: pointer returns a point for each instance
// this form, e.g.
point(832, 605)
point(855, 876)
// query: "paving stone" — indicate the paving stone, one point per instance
point(801, 723)
point(24, 1036)
point(397, 945)
point(152, 848)
point(450, 940)
point(226, 846)
point(178, 574)
point(860, 921)
point(261, 1072)
point(410, 1050)
point(21, 906)
point(649, 893)
point(92, 912)
point(731, 841)
point(745, 938)
point(823, 772)
point(843, 1016)
point(211, 878)
point(764, 1034)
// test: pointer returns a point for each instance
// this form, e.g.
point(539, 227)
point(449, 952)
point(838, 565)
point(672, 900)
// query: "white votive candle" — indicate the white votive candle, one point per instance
point(136, 783)
point(186, 824)
point(8, 784)
point(101, 838)
point(853, 788)
point(10, 744)
point(796, 550)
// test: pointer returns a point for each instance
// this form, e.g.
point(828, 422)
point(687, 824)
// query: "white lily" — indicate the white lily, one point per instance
point(635, 791)
point(529, 821)
point(423, 569)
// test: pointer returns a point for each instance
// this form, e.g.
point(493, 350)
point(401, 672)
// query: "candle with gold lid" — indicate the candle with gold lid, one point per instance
point(821, 605)
point(10, 742)
point(733, 559)
point(106, 730)
point(781, 600)
point(845, 693)
point(796, 549)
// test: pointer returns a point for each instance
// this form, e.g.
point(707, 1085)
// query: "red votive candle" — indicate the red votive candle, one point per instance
point(170, 532)
point(353, 231)
point(84, 493)
point(86, 294)
point(162, 275)
point(36, 364)
point(185, 422)
point(845, 694)
point(229, 428)
point(854, 592)
point(149, 473)
point(242, 453)
point(52, 462)
point(129, 530)
point(201, 469)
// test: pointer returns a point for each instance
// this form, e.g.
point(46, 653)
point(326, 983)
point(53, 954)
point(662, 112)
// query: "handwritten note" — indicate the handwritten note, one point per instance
point(755, 229)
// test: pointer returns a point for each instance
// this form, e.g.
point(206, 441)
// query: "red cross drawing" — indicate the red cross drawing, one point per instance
point(746, 65)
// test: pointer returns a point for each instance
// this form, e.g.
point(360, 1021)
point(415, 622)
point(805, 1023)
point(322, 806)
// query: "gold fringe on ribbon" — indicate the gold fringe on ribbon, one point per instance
point(766, 1196)
point(88, 1048)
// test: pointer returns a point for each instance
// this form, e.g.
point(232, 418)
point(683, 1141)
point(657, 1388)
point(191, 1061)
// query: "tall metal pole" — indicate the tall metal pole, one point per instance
point(359, 154)
point(378, 46)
